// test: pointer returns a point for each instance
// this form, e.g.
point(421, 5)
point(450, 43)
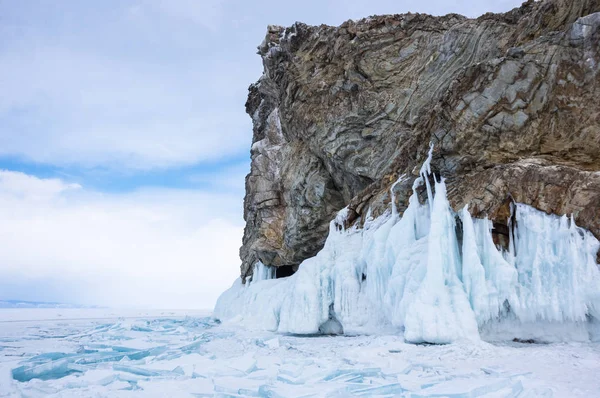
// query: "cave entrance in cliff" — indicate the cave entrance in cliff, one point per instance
point(503, 227)
point(285, 271)
point(501, 235)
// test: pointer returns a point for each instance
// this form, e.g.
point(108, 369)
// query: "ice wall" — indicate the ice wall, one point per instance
point(411, 274)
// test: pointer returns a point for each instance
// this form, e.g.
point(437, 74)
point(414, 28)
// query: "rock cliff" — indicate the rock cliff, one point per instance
point(510, 102)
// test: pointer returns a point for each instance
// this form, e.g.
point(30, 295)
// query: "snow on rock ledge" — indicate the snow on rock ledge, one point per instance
point(416, 275)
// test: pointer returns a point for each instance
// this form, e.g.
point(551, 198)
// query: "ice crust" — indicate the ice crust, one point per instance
point(158, 354)
point(411, 273)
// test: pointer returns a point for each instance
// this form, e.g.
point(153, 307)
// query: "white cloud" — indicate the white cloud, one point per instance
point(66, 107)
point(207, 13)
point(28, 187)
point(153, 248)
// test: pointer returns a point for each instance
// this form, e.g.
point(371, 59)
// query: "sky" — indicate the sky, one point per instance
point(124, 143)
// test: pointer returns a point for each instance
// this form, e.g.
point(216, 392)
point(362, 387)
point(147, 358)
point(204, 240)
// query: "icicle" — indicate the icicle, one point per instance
point(262, 272)
point(473, 273)
point(489, 279)
point(393, 195)
point(340, 218)
point(557, 272)
point(509, 255)
point(424, 173)
point(441, 312)
point(408, 272)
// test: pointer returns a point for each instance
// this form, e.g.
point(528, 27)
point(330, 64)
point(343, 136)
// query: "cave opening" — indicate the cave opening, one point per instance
point(503, 227)
point(284, 271)
point(501, 235)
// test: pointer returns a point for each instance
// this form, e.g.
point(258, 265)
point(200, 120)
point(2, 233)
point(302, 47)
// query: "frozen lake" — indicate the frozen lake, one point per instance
point(133, 353)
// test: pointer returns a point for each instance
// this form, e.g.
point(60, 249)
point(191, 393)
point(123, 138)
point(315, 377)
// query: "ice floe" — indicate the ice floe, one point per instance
point(179, 356)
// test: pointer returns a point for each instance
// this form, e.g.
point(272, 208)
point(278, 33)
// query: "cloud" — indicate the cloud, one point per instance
point(26, 187)
point(72, 108)
point(151, 248)
point(105, 89)
point(207, 13)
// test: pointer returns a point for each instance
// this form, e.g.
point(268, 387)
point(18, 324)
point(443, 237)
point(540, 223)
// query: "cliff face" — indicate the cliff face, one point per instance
point(510, 102)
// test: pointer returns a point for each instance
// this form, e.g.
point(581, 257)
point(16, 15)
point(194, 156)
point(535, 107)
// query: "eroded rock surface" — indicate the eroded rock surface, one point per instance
point(510, 102)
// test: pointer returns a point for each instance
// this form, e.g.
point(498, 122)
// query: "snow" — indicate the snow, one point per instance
point(434, 276)
point(110, 353)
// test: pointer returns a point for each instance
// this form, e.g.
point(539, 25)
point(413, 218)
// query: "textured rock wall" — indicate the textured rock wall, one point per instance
point(509, 100)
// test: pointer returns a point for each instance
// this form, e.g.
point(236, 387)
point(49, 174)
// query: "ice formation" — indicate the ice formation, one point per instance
point(262, 272)
point(415, 274)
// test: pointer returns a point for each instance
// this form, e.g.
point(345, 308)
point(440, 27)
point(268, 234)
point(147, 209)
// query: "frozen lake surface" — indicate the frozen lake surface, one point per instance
point(133, 353)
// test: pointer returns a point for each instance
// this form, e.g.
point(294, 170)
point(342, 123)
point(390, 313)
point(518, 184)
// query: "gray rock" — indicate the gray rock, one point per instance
point(509, 100)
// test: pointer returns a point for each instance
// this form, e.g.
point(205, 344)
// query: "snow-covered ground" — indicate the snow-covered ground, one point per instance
point(110, 353)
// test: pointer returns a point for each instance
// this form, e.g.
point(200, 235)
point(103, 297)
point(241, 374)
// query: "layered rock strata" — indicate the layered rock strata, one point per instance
point(510, 102)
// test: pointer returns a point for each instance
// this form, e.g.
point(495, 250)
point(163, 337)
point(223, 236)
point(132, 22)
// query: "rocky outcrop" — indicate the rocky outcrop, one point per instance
point(510, 102)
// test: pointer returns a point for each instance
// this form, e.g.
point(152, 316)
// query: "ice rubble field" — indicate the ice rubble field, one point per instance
point(435, 276)
point(104, 353)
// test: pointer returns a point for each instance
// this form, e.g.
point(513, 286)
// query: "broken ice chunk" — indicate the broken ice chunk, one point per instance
point(47, 371)
point(273, 343)
point(460, 388)
point(246, 363)
point(349, 373)
point(393, 388)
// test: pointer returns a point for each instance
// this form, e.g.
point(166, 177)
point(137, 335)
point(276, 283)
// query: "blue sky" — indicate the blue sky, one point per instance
point(124, 143)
